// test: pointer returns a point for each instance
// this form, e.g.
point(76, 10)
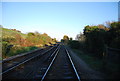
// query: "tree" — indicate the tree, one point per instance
point(31, 34)
point(95, 39)
point(62, 40)
point(65, 39)
point(80, 37)
point(74, 44)
point(71, 38)
point(114, 35)
point(77, 37)
point(54, 40)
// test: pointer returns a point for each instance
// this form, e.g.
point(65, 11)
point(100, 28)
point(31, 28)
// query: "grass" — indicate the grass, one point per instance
point(90, 60)
point(18, 50)
point(8, 32)
point(110, 69)
point(14, 42)
point(0, 58)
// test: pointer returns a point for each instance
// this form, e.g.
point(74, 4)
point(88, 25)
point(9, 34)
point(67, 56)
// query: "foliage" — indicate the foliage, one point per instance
point(71, 38)
point(10, 32)
point(4, 48)
point(36, 38)
point(17, 49)
point(92, 44)
point(74, 44)
point(54, 40)
point(15, 42)
point(99, 65)
point(8, 39)
point(95, 38)
point(80, 37)
point(94, 63)
point(65, 39)
point(114, 35)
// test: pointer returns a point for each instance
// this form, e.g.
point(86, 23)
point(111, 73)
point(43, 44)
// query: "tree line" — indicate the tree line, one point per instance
point(96, 38)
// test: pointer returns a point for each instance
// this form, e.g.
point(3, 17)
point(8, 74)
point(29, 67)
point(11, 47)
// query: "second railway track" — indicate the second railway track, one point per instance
point(15, 62)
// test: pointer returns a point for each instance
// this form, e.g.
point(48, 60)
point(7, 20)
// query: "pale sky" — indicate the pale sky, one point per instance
point(57, 18)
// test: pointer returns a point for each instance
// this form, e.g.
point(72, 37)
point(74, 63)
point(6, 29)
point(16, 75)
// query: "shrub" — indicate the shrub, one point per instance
point(74, 44)
point(4, 48)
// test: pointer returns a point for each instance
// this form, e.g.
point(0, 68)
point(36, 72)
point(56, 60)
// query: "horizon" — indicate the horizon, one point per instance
point(57, 18)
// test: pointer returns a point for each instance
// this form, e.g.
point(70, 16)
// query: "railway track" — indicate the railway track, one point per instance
point(61, 67)
point(55, 65)
point(10, 64)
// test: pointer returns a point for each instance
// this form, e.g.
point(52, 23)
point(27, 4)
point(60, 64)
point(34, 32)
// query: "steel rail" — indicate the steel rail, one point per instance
point(24, 62)
point(48, 57)
point(21, 55)
point(18, 56)
point(78, 77)
point(51, 63)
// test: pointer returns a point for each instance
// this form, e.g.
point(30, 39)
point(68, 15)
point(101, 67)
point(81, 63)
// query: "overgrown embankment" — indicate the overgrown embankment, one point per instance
point(14, 42)
point(93, 46)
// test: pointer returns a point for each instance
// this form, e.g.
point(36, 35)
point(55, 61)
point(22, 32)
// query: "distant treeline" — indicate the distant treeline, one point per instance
point(95, 38)
point(14, 42)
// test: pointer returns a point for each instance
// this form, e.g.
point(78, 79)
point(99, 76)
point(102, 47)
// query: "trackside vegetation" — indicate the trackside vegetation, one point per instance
point(14, 42)
point(95, 39)
point(92, 46)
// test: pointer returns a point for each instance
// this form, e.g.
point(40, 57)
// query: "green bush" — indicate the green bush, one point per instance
point(17, 49)
point(74, 44)
point(32, 48)
point(95, 40)
point(4, 48)
point(14, 42)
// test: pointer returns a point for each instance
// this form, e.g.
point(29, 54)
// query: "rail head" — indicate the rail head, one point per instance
point(54, 60)
point(51, 63)
point(21, 55)
point(78, 77)
point(23, 62)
